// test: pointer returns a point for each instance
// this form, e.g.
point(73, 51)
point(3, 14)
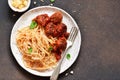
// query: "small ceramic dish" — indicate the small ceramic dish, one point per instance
point(19, 5)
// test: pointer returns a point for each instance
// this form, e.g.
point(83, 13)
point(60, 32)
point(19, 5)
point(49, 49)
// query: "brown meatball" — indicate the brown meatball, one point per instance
point(66, 35)
point(60, 30)
point(55, 30)
point(42, 19)
point(50, 29)
point(56, 17)
point(60, 44)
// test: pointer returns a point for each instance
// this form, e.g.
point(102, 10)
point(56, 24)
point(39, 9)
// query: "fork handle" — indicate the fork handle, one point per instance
point(57, 69)
point(56, 72)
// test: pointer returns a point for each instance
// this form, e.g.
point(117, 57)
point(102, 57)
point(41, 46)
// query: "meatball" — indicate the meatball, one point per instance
point(56, 17)
point(60, 45)
point(42, 19)
point(50, 29)
point(55, 30)
point(66, 35)
point(60, 30)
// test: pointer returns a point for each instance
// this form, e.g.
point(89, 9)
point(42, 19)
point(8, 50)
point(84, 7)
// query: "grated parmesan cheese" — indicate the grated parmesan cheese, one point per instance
point(19, 4)
point(71, 72)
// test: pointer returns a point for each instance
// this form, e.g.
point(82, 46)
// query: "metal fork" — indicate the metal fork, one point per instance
point(71, 38)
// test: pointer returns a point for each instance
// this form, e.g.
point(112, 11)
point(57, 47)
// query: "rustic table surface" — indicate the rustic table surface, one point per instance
point(99, 56)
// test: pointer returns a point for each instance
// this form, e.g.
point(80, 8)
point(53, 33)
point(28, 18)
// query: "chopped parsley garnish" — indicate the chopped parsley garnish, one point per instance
point(33, 24)
point(52, 1)
point(30, 50)
point(50, 48)
point(68, 56)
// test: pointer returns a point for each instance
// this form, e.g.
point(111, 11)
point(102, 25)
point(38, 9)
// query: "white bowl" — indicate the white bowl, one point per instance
point(19, 10)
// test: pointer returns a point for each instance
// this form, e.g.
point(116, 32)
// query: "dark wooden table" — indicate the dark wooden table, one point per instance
point(99, 57)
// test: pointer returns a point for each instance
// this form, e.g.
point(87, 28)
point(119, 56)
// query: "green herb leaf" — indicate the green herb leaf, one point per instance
point(30, 50)
point(50, 48)
point(68, 56)
point(33, 24)
point(52, 1)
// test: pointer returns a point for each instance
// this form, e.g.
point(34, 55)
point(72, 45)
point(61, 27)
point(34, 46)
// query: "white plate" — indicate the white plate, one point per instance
point(25, 20)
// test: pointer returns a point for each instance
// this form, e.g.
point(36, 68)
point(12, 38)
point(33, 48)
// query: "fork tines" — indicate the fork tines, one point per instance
point(73, 34)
